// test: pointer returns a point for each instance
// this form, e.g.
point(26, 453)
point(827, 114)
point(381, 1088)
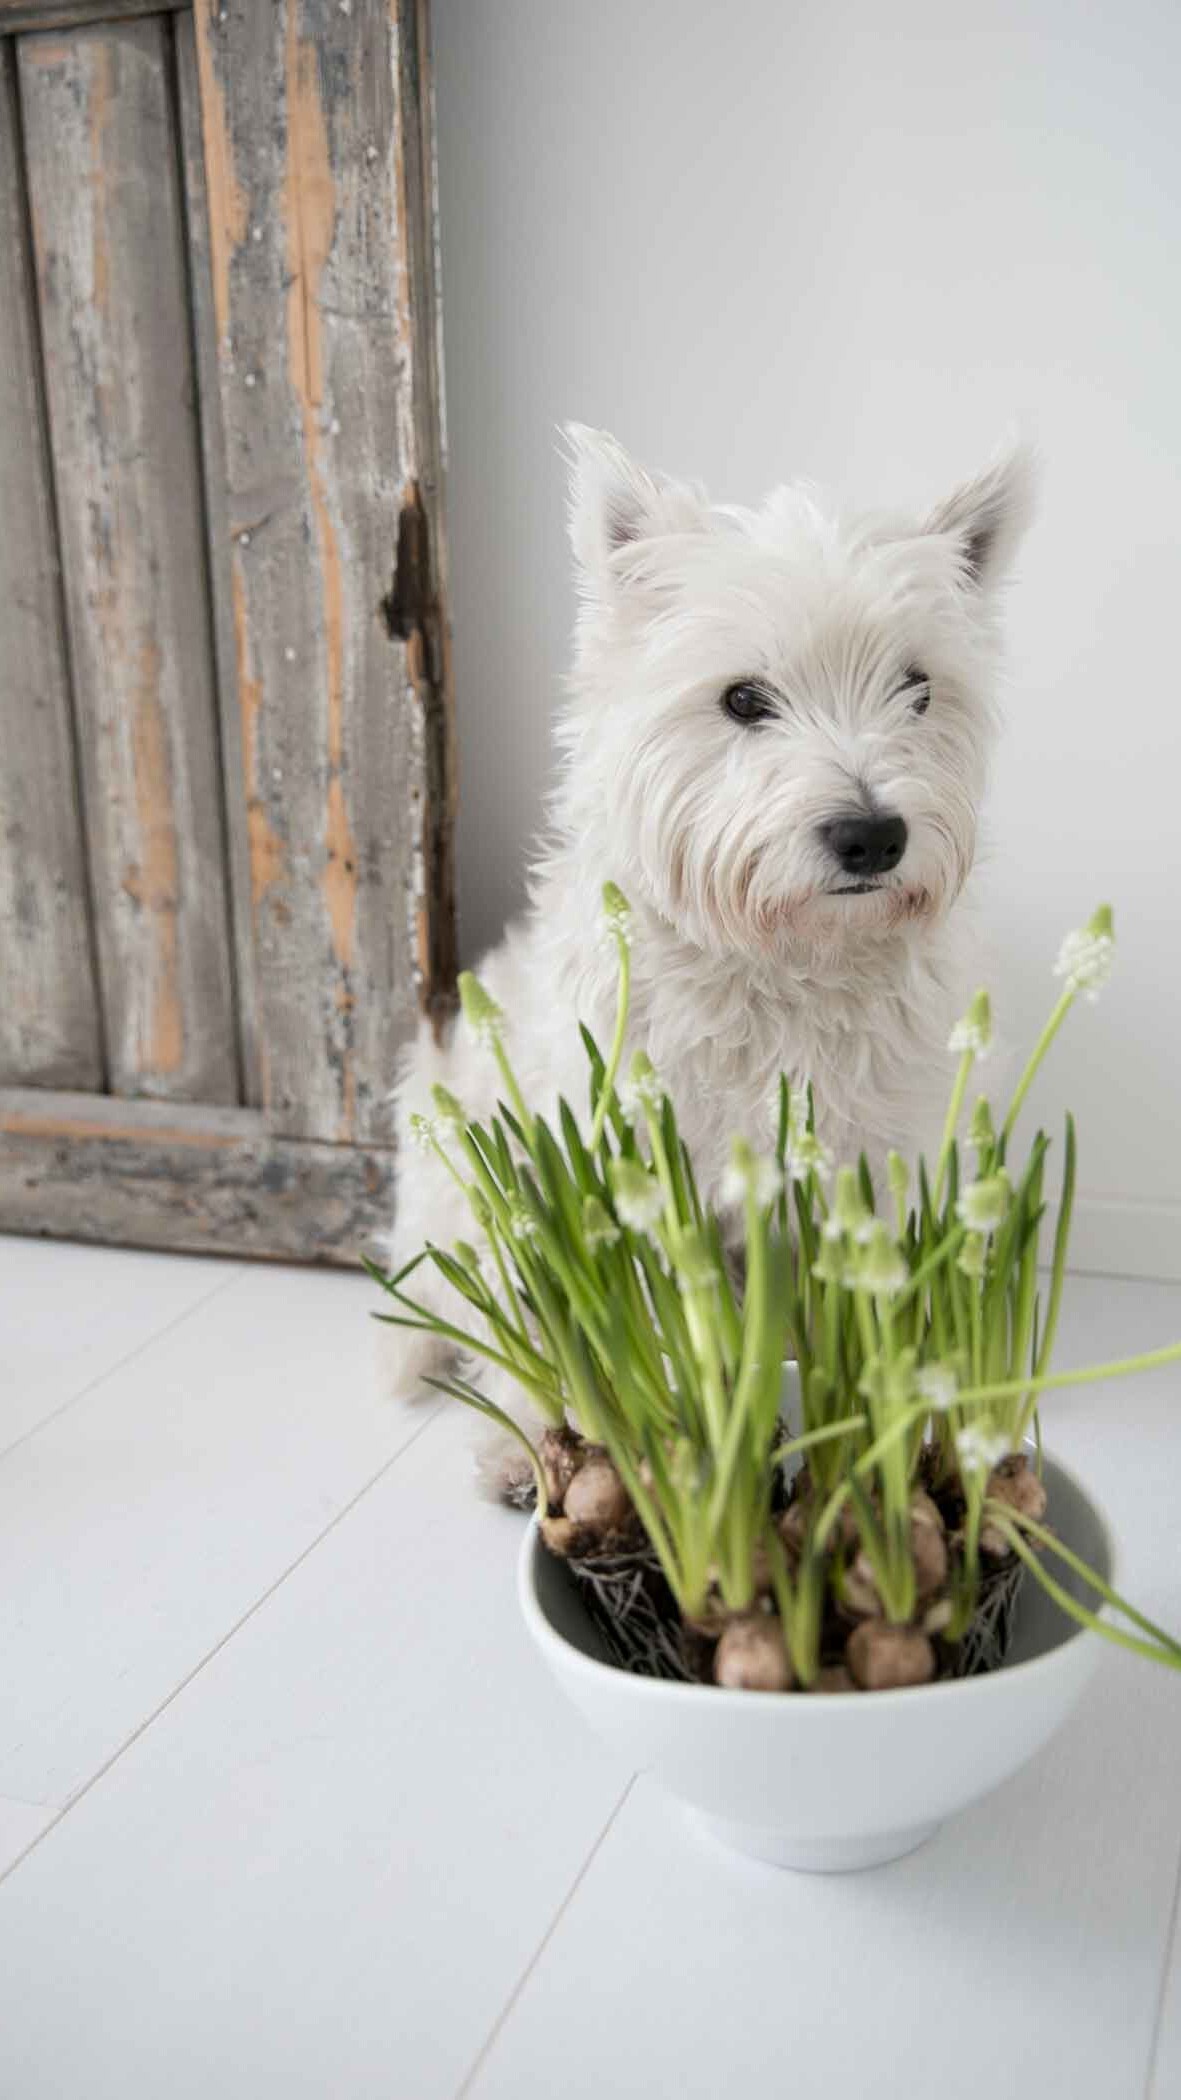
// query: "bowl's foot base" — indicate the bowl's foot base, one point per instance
point(836, 1855)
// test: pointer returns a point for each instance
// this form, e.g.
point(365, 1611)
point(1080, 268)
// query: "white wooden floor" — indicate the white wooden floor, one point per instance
point(288, 1808)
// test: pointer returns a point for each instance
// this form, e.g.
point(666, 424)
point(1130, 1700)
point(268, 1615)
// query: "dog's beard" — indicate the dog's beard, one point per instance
point(752, 903)
point(833, 915)
point(743, 864)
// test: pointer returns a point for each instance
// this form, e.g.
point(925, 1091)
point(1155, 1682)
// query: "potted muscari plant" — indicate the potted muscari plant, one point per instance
point(709, 1526)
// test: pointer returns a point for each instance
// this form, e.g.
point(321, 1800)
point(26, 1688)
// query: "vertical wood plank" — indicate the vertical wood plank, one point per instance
point(218, 546)
point(49, 1028)
point(107, 224)
point(306, 130)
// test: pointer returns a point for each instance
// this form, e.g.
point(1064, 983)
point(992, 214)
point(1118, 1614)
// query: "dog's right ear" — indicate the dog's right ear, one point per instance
point(988, 517)
point(614, 504)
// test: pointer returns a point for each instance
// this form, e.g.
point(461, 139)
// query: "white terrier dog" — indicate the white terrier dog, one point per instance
point(775, 742)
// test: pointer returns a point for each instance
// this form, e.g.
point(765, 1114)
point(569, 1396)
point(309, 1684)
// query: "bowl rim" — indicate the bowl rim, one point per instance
point(595, 1672)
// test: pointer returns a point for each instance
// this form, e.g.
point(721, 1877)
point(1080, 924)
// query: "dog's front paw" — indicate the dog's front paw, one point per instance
point(403, 1361)
point(503, 1469)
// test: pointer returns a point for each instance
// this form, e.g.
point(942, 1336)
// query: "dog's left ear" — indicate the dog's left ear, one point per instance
point(614, 504)
point(988, 516)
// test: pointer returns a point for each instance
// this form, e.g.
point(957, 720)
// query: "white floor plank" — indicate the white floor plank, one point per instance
point(1166, 2079)
point(1018, 1953)
point(20, 1823)
point(69, 1314)
point(325, 1866)
point(138, 1526)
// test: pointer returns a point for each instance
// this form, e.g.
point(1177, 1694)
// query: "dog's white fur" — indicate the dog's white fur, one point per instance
point(744, 962)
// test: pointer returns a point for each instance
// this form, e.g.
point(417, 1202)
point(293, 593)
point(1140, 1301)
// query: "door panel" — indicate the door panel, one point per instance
point(108, 240)
point(313, 302)
point(49, 1024)
point(234, 325)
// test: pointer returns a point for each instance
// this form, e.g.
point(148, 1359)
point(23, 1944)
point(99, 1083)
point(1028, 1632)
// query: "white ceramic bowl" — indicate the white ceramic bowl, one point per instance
point(828, 1782)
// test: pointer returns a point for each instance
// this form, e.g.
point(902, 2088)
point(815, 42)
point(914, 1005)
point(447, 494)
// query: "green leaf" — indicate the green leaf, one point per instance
point(590, 1183)
point(782, 1122)
point(391, 1283)
point(865, 1182)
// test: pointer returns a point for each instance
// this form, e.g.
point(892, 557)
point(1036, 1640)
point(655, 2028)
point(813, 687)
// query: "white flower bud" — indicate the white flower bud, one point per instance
point(937, 1385)
point(484, 1017)
point(522, 1223)
point(616, 922)
point(639, 1198)
point(806, 1155)
point(971, 1259)
point(983, 1205)
point(748, 1174)
point(974, 1032)
point(1087, 956)
point(883, 1271)
point(641, 1090)
point(980, 1447)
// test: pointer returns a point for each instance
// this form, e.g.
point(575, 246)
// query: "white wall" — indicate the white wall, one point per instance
point(857, 243)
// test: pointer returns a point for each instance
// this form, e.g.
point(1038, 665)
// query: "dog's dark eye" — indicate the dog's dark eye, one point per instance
point(747, 703)
point(917, 686)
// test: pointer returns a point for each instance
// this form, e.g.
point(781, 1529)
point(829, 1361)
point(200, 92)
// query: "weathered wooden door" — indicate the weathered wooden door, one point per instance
point(225, 765)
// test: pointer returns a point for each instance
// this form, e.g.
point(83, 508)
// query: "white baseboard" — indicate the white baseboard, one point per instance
point(1116, 1236)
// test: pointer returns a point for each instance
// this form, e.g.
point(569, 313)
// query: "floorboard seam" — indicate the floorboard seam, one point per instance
point(498, 2025)
point(150, 1720)
point(1158, 2023)
point(92, 1385)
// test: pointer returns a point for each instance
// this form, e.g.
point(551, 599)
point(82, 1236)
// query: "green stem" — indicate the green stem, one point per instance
point(663, 1166)
point(653, 1522)
point(795, 1614)
point(896, 1476)
point(703, 1342)
point(954, 1107)
point(1036, 1056)
point(516, 1317)
point(515, 1095)
point(1004, 1514)
point(425, 1322)
point(832, 1331)
point(754, 1319)
point(1058, 1274)
point(847, 1427)
point(1013, 1388)
point(390, 1283)
point(928, 1268)
point(458, 1389)
point(1021, 1351)
point(1170, 1655)
point(449, 1163)
point(868, 1459)
point(863, 1313)
point(615, 1056)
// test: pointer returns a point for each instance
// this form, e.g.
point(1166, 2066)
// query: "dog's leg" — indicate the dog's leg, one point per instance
point(403, 1361)
point(503, 1469)
point(432, 1208)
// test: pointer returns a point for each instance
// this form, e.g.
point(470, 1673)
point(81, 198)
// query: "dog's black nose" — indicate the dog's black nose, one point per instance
point(866, 845)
